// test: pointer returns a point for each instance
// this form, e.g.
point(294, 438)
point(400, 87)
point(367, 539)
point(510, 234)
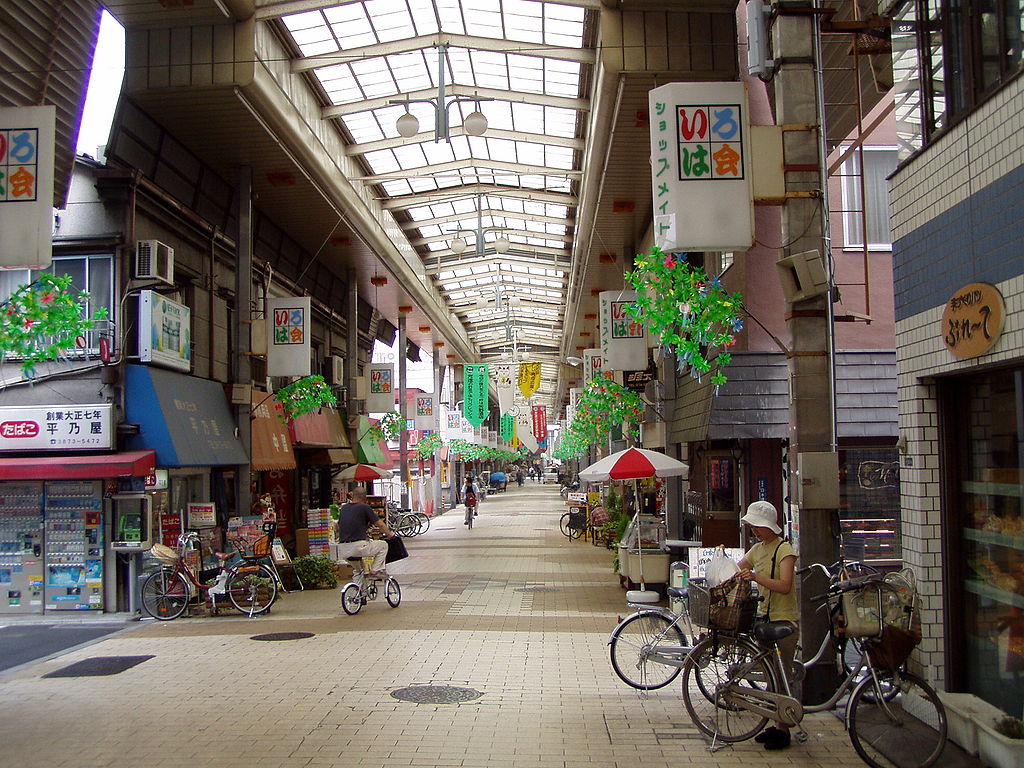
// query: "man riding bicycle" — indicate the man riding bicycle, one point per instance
point(353, 521)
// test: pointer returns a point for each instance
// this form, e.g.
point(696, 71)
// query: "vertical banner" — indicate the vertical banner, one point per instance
point(700, 167)
point(503, 383)
point(452, 426)
point(424, 416)
point(529, 378)
point(27, 137)
point(507, 427)
point(540, 422)
point(623, 340)
point(289, 327)
point(524, 431)
point(380, 390)
point(474, 384)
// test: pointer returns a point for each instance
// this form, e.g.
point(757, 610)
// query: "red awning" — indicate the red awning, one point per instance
point(63, 467)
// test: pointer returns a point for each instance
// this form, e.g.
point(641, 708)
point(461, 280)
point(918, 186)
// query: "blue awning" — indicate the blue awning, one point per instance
point(186, 420)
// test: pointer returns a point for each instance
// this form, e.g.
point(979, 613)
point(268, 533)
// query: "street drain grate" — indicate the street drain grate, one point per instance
point(275, 636)
point(537, 589)
point(436, 694)
point(99, 666)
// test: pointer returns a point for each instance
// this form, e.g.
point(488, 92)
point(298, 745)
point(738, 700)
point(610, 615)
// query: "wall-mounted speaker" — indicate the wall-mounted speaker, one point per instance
point(802, 276)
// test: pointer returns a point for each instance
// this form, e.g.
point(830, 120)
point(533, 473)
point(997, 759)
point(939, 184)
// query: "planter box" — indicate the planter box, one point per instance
point(997, 750)
point(655, 567)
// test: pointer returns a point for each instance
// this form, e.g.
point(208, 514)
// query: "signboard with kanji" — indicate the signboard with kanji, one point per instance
point(56, 427)
point(289, 322)
point(26, 186)
point(700, 167)
point(623, 340)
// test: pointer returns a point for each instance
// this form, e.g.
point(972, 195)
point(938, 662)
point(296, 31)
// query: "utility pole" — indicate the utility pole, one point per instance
point(812, 458)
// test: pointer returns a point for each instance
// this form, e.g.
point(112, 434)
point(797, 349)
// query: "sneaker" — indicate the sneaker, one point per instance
point(766, 734)
point(778, 740)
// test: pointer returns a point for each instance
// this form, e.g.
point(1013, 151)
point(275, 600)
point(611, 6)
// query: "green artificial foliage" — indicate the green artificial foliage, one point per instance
point(303, 396)
point(690, 313)
point(316, 572)
point(389, 427)
point(603, 406)
point(43, 319)
point(429, 445)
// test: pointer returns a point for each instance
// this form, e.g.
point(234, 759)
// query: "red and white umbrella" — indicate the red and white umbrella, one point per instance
point(634, 464)
point(361, 473)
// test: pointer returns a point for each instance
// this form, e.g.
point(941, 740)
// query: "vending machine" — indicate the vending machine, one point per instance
point(73, 526)
point(21, 547)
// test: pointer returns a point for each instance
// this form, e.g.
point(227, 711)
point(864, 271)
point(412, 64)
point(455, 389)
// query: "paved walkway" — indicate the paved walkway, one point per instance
point(511, 610)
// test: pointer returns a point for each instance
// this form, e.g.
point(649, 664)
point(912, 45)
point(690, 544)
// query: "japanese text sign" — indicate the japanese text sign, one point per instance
point(380, 395)
point(56, 428)
point(972, 320)
point(474, 385)
point(424, 417)
point(623, 340)
point(700, 147)
point(529, 378)
point(289, 327)
point(26, 186)
point(540, 421)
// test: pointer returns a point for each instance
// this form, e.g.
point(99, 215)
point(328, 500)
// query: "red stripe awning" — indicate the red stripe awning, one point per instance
point(63, 467)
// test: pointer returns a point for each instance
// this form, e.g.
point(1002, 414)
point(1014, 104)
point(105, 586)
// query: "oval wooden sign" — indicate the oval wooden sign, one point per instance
point(973, 320)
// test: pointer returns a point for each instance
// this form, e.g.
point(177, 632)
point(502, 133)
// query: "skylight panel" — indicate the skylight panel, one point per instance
point(464, 205)
point(300, 21)
point(558, 157)
point(410, 71)
point(393, 25)
point(422, 184)
point(458, 67)
point(527, 117)
point(430, 230)
point(526, 73)
point(363, 127)
point(397, 187)
point(529, 153)
point(383, 161)
point(499, 114)
point(450, 14)
point(560, 122)
point(408, 156)
point(423, 17)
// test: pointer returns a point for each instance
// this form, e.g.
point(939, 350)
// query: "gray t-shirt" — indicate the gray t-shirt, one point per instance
point(353, 520)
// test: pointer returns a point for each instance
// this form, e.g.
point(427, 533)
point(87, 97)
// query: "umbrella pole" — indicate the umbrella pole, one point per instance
point(642, 595)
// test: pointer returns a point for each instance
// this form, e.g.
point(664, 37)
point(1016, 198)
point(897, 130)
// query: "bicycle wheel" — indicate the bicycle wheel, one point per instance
point(632, 643)
point(406, 526)
point(351, 599)
point(906, 730)
point(165, 595)
point(424, 523)
point(469, 516)
point(252, 590)
point(711, 666)
point(563, 525)
point(392, 592)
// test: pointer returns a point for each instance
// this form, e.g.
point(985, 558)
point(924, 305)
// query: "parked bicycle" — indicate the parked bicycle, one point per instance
point(364, 588)
point(734, 683)
point(405, 522)
point(251, 588)
point(573, 524)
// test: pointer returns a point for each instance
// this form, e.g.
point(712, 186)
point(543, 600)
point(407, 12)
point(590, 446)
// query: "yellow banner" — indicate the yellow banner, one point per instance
point(529, 378)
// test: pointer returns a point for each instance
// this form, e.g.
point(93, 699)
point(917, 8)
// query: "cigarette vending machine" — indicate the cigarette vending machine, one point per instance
point(21, 547)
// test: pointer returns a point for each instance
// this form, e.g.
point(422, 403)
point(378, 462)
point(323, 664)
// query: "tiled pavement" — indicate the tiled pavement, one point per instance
point(511, 609)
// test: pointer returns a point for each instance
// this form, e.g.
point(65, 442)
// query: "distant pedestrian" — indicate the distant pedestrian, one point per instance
point(519, 477)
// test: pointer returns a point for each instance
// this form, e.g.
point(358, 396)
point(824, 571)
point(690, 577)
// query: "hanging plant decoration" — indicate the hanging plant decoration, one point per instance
point(42, 320)
point(303, 396)
point(603, 405)
point(691, 314)
point(429, 445)
point(389, 427)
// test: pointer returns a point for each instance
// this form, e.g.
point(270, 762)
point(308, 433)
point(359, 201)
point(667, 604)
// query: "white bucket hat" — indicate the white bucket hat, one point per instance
point(762, 514)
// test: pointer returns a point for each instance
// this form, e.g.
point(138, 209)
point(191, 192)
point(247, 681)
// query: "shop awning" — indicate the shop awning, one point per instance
point(327, 457)
point(322, 429)
point(371, 448)
point(271, 443)
point(185, 419)
point(63, 467)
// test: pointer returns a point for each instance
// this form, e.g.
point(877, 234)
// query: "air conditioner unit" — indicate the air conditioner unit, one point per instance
point(154, 261)
point(334, 370)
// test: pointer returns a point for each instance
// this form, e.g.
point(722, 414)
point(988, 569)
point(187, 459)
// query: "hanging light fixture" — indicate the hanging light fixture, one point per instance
point(407, 125)
point(475, 123)
point(458, 246)
point(501, 245)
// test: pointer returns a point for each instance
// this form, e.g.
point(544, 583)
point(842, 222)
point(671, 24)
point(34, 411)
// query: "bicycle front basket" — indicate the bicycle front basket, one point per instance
point(698, 601)
point(164, 554)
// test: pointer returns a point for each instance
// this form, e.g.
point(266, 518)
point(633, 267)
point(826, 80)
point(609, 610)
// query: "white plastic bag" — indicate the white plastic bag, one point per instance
point(721, 568)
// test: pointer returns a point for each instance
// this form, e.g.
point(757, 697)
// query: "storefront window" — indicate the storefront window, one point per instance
point(869, 505)
point(985, 533)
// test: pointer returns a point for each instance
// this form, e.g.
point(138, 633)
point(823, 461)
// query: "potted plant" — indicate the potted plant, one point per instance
point(316, 572)
point(1001, 742)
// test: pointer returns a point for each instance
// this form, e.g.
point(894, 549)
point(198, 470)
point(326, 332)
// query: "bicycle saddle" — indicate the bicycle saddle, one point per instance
point(771, 631)
point(678, 592)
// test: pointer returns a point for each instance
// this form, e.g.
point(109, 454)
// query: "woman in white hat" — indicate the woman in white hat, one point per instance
point(771, 564)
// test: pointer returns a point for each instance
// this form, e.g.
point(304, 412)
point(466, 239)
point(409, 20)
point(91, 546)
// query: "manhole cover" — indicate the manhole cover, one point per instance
point(537, 589)
point(436, 694)
point(99, 666)
point(273, 636)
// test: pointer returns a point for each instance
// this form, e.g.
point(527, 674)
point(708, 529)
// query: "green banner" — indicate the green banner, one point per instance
point(474, 386)
point(507, 427)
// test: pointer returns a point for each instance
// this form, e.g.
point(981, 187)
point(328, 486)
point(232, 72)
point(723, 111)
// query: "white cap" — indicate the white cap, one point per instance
point(762, 514)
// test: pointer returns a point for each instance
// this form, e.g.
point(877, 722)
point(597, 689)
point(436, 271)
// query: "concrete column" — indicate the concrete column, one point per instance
point(353, 407)
point(403, 407)
point(435, 460)
point(240, 332)
point(809, 322)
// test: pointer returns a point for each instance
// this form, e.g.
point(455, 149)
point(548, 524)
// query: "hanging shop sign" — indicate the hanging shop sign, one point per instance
point(504, 375)
point(26, 186)
point(973, 320)
point(474, 404)
point(700, 167)
point(623, 339)
point(424, 416)
point(165, 332)
point(56, 428)
point(594, 365)
point(202, 514)
point(380, 394)
point(637, 381)
point(529, 378)
point(539, 413)
point(289, 329)
point(524, 431)
point(507, 426)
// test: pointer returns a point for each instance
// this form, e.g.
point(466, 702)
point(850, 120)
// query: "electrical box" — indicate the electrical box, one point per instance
point(132, 522)
point(818, 480)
